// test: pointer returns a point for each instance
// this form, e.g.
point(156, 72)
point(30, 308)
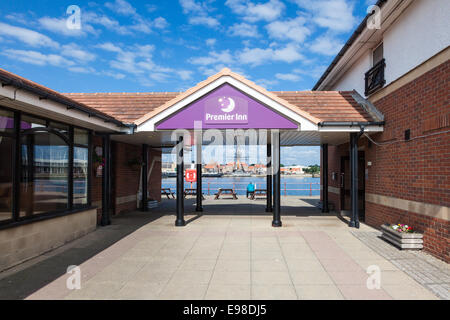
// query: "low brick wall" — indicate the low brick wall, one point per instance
point(24, 242)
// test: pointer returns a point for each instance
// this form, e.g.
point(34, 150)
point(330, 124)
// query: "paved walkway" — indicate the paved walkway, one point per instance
point(230, 252)
point(430, 272)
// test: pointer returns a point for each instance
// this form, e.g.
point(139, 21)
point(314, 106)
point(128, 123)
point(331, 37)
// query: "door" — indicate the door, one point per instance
point(345, 184)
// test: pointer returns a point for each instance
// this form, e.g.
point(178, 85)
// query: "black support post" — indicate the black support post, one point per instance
point(269, 178)
point(276, 179)
point(17, 167)
point(106, 177)
point(144, 177)
point(199, 192)
point(70, 173)
point(354, 220)
point(180, 184)
point(325, 178)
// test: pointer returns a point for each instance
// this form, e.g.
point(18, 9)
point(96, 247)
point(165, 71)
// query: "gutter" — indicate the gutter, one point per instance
point(350, 124)
point(43, 94)
point(347, 45)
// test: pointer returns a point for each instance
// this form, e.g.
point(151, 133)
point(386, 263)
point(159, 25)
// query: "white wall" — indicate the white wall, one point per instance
point(354, 78)
point(419, 33)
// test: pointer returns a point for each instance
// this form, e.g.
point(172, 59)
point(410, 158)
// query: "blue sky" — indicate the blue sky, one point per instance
point(172, 45)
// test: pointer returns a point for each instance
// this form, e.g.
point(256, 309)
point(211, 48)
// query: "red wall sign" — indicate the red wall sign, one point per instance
point(191, 175)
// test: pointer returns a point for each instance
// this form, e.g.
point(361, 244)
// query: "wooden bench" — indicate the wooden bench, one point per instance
point(225, 192)
point(167, 192)
point(258, 192)
point(191, 192)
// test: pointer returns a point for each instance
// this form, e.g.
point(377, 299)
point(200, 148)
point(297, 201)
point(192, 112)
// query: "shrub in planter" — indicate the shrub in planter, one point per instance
point(402, 236)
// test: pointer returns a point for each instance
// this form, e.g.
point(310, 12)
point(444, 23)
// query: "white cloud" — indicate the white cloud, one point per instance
point(287, 76)
point(326, 45)
point(293, 29)
point(266, 83)
point(203, 20)
point(253, 12)
point(59, 26)
point(258, 56)
point(198, 13)
point(30, 37)
point(336, 15)
point(224, 57)
point(115, 75)
point(137, 60)
point(121, 7)
point(78, 69)
point(108, 46)
point(244, 30)
point(210, 42)
point(190, 6)
point(160, 23)
point(315, 71)
point(37, 58)
point(74, 51)
point(109, 23)
point(185, 74)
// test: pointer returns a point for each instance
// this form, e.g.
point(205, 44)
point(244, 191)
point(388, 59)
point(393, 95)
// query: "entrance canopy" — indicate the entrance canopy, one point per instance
point(227, 100)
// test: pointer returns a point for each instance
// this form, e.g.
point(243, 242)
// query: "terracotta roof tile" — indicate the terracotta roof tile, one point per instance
point(324, 105)
point(49, 92)
point(126, 107)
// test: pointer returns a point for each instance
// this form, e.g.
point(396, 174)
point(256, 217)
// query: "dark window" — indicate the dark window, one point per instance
point(44, 167)
point(374, 78)
point(6, 121)
point(81, 137)
point(29, 122)
point(6, 177)
point(45, 173)
point(377, 55)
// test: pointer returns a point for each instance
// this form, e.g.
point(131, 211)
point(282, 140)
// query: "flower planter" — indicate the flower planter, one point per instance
point(402, 240)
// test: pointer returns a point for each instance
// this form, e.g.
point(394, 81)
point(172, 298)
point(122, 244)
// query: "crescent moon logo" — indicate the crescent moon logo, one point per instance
point(230, 107)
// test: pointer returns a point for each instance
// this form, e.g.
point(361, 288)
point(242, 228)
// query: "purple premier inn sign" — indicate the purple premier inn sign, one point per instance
point(227, 108)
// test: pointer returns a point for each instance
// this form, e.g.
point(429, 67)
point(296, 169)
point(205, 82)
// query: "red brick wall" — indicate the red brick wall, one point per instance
point(126, 178)
point(96, 182)
point(416, 170)
point(154, 182)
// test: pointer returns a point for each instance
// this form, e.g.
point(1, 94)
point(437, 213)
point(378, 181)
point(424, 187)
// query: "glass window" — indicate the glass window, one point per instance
point(29, 122)
point(378, 54)
point(62, 128)
point(80, 176)
point(44, 173)
point(6, 177)
point(6, 121)
point(81, 137)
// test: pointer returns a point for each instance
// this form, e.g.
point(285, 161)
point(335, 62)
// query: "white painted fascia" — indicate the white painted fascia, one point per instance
point(49, 108)
point(364, 42)
point(304, 124)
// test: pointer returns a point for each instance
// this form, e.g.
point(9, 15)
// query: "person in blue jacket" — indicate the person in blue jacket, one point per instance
point(250, 189)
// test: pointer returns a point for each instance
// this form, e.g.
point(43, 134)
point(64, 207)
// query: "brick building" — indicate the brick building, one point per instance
point(403, 69)
point(68, 162)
